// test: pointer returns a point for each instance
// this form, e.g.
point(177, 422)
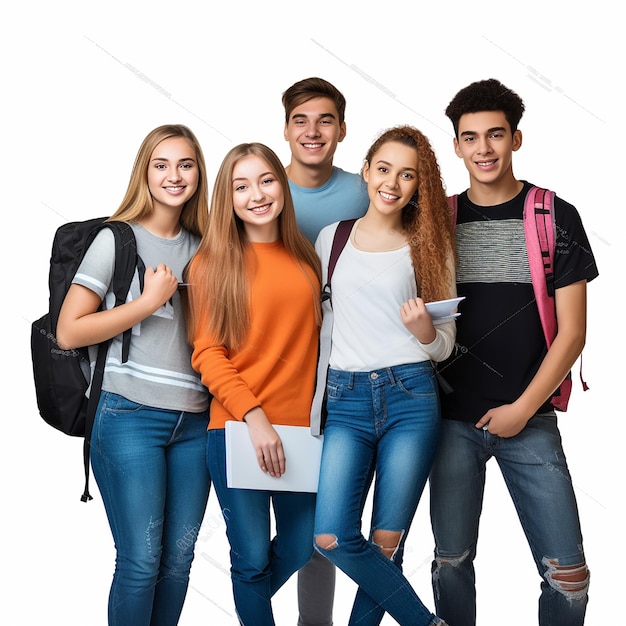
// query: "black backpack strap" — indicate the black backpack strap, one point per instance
point(126, 260)
point(342, 234)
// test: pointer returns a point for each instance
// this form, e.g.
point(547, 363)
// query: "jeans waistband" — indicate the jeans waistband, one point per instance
point(386, 375)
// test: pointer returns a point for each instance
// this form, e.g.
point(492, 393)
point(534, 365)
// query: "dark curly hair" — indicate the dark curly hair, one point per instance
point(426, 219)
point(486, 95)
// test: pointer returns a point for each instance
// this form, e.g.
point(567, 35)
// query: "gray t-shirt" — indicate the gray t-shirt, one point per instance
point(158, 372)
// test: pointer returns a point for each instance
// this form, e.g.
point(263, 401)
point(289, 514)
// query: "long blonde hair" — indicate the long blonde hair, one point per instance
point(218, 293)
point(426, 220)
point(137, 203)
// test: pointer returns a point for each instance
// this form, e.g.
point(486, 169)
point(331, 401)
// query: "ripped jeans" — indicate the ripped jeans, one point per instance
point(385, 424)
point(535, 471)
point(150, 468)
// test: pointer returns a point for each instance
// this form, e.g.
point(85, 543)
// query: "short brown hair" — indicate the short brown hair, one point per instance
point(309, 88)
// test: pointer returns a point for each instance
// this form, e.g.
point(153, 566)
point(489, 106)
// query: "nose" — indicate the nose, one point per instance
point(258, 195)
point(312, 130)
point(484, 147)
point(174, 175)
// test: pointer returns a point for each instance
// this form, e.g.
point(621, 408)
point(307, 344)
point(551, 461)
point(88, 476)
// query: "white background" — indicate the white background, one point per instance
point(83, 83)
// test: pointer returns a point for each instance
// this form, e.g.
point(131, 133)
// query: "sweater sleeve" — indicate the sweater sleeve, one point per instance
point(221, 377)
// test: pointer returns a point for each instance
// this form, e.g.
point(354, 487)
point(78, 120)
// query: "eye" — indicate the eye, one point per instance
point(160, 166)
point(267, 181)
point(186, 166)
point(407, 176)
point(382, 169)
point(240, 188)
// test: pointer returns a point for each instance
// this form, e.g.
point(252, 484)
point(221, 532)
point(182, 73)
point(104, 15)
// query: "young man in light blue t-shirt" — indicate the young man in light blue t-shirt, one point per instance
point(322, 194)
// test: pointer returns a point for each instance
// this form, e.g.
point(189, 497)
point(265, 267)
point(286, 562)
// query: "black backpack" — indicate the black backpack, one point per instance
point(63, 376)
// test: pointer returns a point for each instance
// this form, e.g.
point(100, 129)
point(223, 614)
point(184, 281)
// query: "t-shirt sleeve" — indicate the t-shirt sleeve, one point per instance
point(96, 269)
point(574, 259)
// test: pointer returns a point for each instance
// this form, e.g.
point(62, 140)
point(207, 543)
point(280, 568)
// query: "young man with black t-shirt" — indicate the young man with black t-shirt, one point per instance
point(503, 375)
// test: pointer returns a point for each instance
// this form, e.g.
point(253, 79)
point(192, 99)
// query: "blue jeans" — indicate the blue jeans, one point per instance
point(260, 565)
point(385, 424)
point(535, 471)
point(150, 468)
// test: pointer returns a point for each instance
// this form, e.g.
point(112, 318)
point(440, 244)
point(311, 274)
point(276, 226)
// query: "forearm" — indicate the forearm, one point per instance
point(94, 328)
point(556, 365)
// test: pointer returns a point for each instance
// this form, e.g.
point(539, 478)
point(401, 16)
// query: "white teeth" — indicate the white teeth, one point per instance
point(388, 196)
point(174, 188)
point(312, 145)
point(484, 163)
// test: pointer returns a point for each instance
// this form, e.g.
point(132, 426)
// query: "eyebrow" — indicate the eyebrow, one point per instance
point(305, 116)
point(260, 176)
point(489, 130)
point(180, 160)
point(405, 169)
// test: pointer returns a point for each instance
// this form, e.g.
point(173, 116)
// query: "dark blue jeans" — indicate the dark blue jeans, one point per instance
point(383, 424)
point(535, 471)
point(151, 471)
point(260, 564)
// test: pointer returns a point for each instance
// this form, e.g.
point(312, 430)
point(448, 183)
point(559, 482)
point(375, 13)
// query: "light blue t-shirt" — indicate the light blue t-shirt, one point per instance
point(342, 197)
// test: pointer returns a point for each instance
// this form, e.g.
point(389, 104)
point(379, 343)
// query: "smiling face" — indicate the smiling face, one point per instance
point(486, 145)
point(391, 177)
point(258, 198)
point(172, 174)
point(313, 132)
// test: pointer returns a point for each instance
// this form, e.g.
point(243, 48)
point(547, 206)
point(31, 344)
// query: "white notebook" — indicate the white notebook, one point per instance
point(303, 453)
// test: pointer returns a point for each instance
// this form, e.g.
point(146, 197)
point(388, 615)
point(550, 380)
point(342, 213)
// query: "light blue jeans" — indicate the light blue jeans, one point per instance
point(383, 424)
point(151, 471)
point(260, 565)
point(535, 471)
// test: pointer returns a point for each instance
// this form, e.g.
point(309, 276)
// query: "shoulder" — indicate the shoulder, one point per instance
point(325, 239)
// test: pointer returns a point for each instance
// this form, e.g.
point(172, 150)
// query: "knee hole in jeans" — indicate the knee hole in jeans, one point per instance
point(570, 580)
point(388, 541)
point(326, 542)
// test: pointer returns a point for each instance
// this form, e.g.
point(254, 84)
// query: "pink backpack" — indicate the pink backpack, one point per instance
point(540, 243)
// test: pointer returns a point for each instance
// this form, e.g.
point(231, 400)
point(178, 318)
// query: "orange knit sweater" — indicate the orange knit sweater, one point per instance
point(275, 369)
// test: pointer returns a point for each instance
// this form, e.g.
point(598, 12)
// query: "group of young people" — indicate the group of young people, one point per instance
point(226, 326)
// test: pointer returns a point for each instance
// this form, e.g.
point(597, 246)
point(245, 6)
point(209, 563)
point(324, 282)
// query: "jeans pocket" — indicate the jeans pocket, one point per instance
point(333, 391)
point(114, 403)
point(418, 384)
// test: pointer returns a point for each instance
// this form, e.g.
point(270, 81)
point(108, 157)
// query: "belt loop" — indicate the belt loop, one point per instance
point(392, 378)
point(350, 380)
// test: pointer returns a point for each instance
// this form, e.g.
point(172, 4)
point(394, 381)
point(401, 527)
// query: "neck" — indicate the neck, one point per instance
point(375, 220)
point(484, 194)
point(162, 224)
point(307, 176)
point(265, 233)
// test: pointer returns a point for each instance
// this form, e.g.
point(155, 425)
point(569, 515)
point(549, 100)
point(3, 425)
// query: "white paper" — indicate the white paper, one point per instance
point(303, 452)
point(444, 310)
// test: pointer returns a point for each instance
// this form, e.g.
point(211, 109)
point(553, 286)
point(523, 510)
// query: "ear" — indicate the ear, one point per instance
point(366, 171)
point(342, 132)
point(517, 140)
point(285, 132)
point(456, 148)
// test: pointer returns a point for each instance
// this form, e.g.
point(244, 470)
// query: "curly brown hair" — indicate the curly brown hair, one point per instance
point(426, 219)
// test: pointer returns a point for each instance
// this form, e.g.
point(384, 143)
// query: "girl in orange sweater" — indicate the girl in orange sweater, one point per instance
point(254, 323)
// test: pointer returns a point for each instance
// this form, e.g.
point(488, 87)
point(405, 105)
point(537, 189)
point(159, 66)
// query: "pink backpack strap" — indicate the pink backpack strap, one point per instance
point(539, 231)
point(540, 234)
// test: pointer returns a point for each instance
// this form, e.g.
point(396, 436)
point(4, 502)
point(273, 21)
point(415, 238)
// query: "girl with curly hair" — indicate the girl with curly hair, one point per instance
point(382, 396)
